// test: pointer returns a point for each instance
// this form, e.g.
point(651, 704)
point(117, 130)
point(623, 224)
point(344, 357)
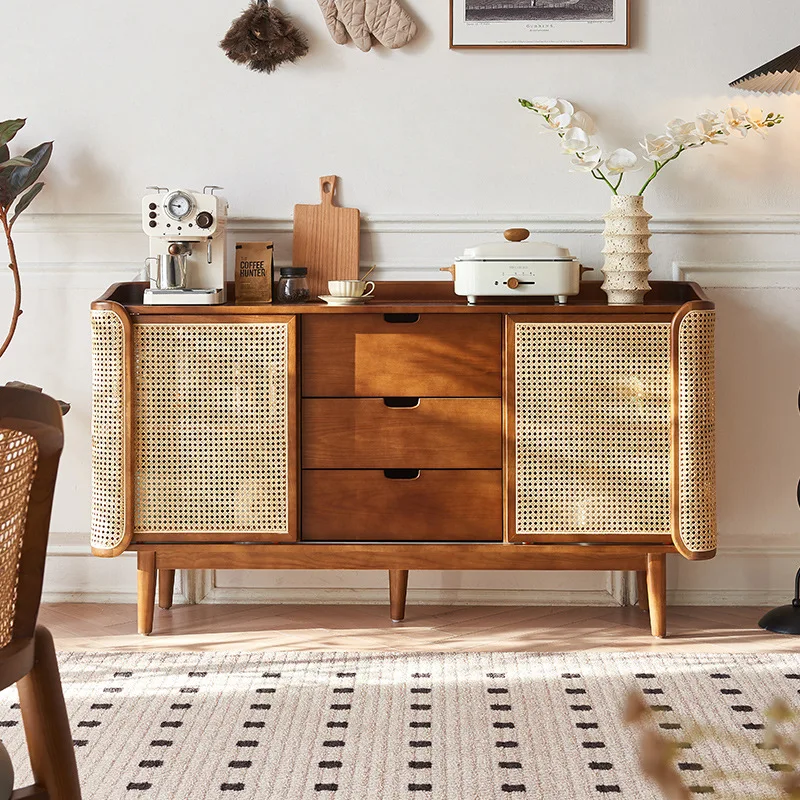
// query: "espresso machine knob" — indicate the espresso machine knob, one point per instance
point(204, 219)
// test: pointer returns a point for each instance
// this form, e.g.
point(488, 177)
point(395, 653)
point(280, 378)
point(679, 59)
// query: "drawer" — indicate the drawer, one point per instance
point(403, 355)
point(426, 433)
point(377, 505)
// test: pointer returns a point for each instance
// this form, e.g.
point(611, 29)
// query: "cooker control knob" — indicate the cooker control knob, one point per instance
point(512, 283)
point(204, 219)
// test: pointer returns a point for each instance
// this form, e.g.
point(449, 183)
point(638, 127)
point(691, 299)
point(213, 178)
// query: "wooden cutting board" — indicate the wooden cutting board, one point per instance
point(326, 239)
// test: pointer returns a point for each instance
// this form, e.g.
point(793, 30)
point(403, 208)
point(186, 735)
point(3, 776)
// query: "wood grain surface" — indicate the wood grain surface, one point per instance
point(439, 505)
point(437, 433)
point(326, 239)
point(381, 355)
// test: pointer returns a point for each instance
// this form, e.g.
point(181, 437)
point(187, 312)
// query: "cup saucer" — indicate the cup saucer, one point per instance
point(343, 301)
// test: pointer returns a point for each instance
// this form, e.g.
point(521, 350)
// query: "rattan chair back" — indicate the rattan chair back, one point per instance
point(31, 441)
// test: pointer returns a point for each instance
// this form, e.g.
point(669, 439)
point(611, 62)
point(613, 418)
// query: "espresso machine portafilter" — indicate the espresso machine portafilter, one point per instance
point(187, 264)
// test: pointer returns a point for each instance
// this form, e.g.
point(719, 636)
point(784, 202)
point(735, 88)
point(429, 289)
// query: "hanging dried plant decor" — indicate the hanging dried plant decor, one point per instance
point(263, 38)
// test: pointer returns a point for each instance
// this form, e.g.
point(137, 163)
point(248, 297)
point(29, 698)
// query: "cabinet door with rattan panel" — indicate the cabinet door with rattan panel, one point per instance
point(589, 427)
point(214, 439)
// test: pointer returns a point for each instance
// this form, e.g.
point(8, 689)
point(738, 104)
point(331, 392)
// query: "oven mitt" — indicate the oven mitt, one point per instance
point(335, 26)
point(353, 14)
point(390, 23)
point(386, 20)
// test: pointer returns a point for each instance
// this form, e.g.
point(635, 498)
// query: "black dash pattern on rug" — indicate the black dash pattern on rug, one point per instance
point(334, 733)
point(589, 734)
point(420, 730)
point(248, 736)
point(504, 732)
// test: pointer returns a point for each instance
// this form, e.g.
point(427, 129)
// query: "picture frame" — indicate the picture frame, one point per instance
point(521, 24)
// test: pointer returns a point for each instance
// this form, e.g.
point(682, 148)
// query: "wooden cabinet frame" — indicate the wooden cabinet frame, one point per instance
point(670, 304)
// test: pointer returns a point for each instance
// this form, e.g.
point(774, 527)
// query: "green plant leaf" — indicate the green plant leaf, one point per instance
point(21, 178)
point(4, 154)
point(25, 201)
point(20, 161)
point(9, 128)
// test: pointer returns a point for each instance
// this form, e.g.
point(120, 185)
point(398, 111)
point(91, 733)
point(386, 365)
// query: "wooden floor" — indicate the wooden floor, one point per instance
point(426, 628)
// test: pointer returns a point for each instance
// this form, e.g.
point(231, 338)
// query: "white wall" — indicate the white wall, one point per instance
point(433, 148)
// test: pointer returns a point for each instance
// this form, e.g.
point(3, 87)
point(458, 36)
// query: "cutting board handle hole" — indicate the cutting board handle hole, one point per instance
point(327, 188)
point(406, 319)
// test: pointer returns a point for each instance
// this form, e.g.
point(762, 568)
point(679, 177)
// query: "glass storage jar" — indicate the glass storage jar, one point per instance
point(293, 286)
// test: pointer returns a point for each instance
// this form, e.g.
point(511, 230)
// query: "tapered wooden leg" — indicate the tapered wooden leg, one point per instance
point(146, 575)
point(641, 590)
point(657, 593)
point(166, 586)
point(47, 730)
point(398, 585)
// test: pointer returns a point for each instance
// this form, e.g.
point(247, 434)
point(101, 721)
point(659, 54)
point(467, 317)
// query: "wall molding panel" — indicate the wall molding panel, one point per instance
point(746, 275)
point(468, 224)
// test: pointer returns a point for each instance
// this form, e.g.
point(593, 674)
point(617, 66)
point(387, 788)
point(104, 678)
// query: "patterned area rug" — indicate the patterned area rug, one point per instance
point(351, 726)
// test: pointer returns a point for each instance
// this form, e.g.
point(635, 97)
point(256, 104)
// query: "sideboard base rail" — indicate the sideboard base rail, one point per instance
point(647, 560)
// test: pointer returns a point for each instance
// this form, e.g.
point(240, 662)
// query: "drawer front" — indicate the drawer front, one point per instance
point(373, 505)
point(373, 433)
point(407, 355)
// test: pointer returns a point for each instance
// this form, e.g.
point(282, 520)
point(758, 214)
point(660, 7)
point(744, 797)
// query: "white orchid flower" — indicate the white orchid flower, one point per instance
point(659, 148)
point(565, 107)
point(736, 119)
point(575, 140)
point(711, 128)
point(683, 133)
point(757, 121)
point(587, 161)
point(544, 105)
point(580, 119)
point(622, 160)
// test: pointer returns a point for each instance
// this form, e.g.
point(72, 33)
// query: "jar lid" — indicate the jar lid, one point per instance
point(294, 272)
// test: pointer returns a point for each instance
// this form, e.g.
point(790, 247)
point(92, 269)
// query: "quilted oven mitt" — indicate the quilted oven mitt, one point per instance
point(390, 23)
point(353, 13)
point(336, 27)
point(386, 20)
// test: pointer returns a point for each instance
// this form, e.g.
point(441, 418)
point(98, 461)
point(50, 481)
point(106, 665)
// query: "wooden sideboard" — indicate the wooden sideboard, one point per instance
point(414, 432)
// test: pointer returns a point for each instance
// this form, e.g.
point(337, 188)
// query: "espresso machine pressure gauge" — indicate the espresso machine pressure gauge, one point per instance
point(179, 205)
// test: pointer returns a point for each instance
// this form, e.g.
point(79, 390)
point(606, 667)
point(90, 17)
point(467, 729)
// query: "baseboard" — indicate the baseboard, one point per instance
point(422, 597)
point(729, 597)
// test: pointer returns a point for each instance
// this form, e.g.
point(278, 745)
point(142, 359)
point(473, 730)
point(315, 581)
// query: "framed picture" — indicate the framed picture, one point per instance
point(539, 23)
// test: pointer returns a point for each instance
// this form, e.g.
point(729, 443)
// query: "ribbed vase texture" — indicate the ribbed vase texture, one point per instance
point(627, 251)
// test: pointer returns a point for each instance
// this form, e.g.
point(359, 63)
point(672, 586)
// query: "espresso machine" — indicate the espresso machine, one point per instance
point(187, 264)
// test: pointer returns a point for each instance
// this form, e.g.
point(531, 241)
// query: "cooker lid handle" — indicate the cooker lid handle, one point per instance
point(517, 234)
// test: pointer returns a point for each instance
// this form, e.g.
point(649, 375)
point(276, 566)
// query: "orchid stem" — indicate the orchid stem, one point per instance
point(659, 166)
point(598, 173)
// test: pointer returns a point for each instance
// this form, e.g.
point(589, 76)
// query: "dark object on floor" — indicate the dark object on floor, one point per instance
point(65, 407)
point(785, 619)
point(31, 441)
point(263, 38)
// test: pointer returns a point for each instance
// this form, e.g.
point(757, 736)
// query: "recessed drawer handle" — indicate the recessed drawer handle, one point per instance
point(401, 402)
point(401, 318)
point(402, 474)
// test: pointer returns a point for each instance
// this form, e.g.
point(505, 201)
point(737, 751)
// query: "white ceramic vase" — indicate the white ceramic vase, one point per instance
point(627, 251)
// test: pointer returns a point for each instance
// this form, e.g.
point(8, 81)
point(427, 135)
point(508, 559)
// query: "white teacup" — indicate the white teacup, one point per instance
point(350, 288)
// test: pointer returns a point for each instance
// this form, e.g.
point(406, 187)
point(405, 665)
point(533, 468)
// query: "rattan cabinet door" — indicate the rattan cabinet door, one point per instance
point(214, 439)
point(589, 431)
